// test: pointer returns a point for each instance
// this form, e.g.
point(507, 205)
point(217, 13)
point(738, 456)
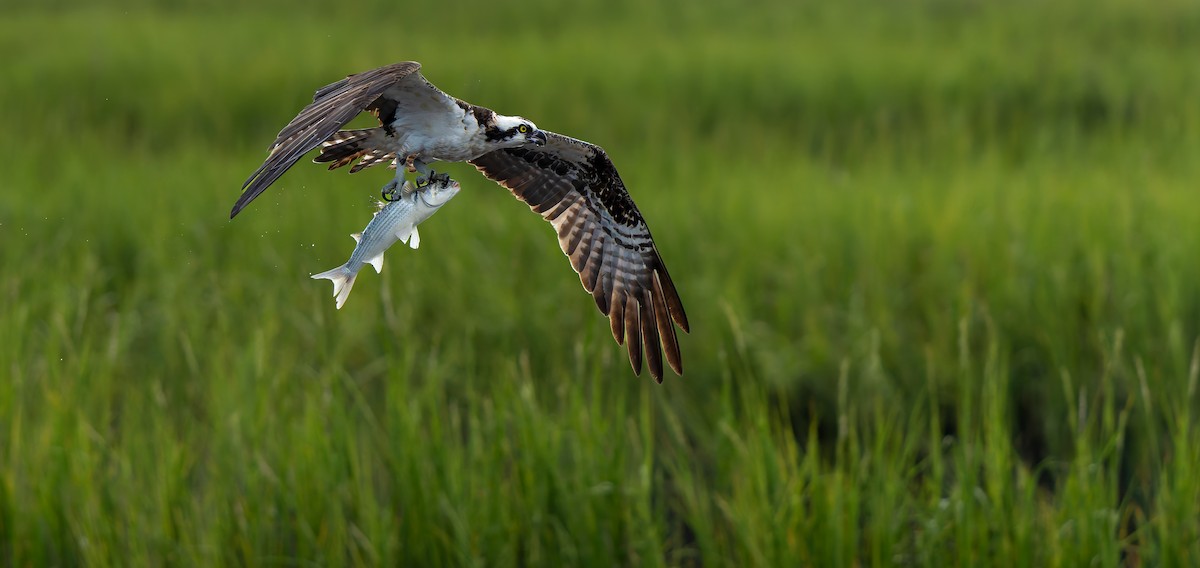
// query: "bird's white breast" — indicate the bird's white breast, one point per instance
point(432, 130)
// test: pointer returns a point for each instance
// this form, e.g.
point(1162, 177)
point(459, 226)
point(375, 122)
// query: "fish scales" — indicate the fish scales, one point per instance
point(395, 220)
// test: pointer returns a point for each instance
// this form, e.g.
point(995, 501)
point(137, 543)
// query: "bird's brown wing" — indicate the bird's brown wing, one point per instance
point(333, 106)
point(574, 186)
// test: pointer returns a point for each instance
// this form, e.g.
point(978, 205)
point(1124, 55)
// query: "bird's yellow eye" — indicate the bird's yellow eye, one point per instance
point(523, 129)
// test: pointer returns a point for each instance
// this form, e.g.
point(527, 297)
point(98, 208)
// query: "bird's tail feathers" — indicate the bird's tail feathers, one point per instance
point(345, 146)
point(343, 281)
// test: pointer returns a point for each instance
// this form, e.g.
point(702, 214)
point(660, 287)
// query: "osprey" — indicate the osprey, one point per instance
point(571, 183)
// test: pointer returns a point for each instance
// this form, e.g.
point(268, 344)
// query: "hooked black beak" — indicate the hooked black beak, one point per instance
point(538, 137)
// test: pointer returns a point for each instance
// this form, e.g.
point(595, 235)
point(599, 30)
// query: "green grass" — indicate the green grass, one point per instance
point(939, 260)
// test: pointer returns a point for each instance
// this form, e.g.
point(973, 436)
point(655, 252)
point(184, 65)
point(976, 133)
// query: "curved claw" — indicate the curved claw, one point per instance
point(433, 177)
point(391, 192)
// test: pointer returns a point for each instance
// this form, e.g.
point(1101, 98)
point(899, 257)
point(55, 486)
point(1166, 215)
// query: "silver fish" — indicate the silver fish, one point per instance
point(395, 220)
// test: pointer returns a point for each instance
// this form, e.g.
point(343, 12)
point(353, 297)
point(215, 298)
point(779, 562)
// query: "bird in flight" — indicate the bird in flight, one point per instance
point(570, 183)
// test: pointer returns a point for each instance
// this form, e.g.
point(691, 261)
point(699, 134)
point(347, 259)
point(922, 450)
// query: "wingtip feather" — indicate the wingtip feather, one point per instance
point(633, 339)
point(674, 304)
point(666, 331)
point(650, 342)
point(616, 318)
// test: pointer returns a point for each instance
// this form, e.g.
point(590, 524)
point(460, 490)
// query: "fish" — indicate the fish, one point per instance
point(395, 221)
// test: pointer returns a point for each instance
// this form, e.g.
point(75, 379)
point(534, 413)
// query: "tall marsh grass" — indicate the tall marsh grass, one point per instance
point(939, 260)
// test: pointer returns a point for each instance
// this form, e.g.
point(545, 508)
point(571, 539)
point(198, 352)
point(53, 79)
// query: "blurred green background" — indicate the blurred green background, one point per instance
point(939, 259)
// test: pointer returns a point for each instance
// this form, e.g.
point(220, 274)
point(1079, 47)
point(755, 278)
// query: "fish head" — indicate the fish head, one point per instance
point(437, 193)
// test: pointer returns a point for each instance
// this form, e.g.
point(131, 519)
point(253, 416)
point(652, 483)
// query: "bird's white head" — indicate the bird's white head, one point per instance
point(512, 131)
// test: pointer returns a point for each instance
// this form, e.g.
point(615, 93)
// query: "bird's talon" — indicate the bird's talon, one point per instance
point(391, 191)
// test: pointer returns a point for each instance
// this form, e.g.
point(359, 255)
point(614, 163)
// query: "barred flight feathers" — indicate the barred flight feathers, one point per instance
point(573, 185)
point(333, 106)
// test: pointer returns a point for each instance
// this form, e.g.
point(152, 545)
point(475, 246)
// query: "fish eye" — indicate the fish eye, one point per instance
point(523, 129)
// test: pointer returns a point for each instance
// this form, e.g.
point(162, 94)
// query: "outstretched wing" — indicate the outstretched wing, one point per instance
point(333, 106)
point(574, 185)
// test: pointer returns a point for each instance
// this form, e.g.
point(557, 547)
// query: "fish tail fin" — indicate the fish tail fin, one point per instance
point(345, 146)
point(343, 281)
